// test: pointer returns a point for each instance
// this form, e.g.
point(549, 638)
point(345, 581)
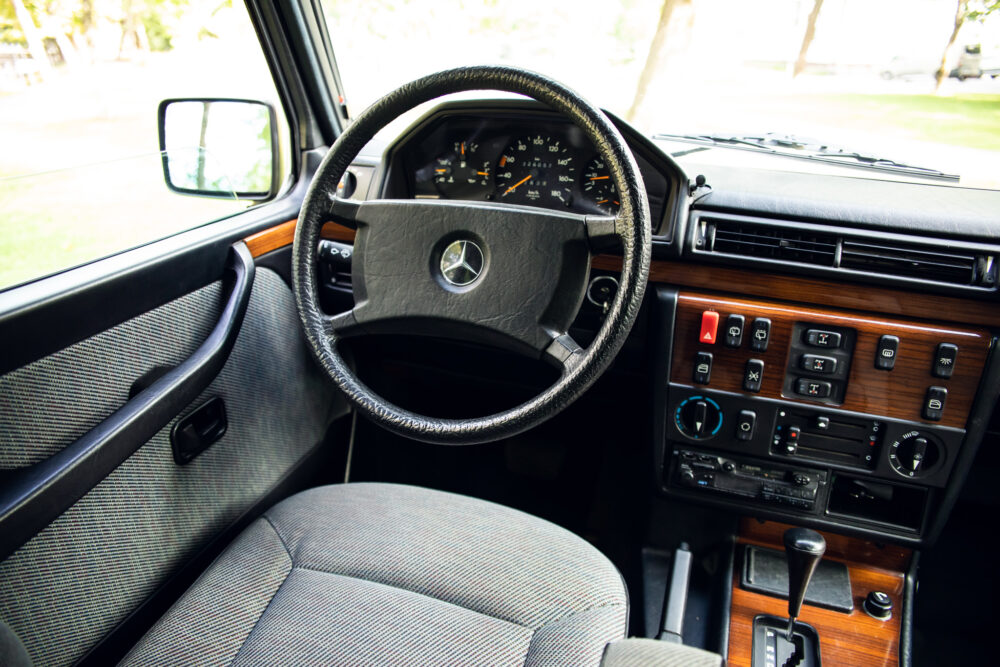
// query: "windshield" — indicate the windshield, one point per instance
point(893, 79)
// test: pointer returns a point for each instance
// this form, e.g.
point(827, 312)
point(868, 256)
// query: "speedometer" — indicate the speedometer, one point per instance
point(536, 170)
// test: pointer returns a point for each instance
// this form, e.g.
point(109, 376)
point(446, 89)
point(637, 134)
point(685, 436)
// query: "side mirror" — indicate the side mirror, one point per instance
point(221, 148)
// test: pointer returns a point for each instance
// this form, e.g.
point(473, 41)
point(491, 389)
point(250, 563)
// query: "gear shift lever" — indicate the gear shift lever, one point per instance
point(803, 548)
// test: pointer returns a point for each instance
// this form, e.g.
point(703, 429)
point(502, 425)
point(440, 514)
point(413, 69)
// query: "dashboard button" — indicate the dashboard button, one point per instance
point(734, 330)
point(944, 360)
point(813, 388)
point(821, 338)
point(760, 332)
point(702, 367)
point(934, 403)
point(885, 354)
point(746, 425)
point(818, 364)
point(753, 375)
point(709, 327)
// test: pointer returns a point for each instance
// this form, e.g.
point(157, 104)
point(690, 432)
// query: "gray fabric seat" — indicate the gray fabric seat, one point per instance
point(383, 574)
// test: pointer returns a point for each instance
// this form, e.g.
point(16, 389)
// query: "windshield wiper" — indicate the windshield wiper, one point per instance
point(807, 149)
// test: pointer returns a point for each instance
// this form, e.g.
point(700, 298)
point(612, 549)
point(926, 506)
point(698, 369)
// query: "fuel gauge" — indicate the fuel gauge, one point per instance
point(462, 173)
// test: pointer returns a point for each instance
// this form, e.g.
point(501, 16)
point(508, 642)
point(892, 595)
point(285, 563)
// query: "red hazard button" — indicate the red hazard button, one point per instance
point(709, 325)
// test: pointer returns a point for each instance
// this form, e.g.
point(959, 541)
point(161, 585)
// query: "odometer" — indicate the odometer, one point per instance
point(536, 170)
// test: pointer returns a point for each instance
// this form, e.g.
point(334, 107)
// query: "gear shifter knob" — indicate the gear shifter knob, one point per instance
point(803, 548)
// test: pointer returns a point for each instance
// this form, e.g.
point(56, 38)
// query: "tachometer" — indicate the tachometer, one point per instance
point(462, 173)
point(598, 188)
point(536, 170)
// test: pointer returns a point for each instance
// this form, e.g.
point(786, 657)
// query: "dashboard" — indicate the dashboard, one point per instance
point(824, 345)
point(516, 156)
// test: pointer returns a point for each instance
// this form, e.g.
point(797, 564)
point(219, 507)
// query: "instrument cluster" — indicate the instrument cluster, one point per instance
point(534, 162)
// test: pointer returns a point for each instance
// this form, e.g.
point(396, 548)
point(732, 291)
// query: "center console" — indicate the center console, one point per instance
point(813, 415)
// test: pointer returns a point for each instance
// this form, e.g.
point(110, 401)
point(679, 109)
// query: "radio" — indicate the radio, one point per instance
point(795, 488)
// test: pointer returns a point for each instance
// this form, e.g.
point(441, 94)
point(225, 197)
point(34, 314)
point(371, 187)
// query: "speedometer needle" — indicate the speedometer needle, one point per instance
point(514, 187)
point(598, 178)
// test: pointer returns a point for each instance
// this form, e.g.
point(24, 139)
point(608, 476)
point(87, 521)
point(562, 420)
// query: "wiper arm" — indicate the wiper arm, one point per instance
point(753, 142)
point(882, 162)
point(807, 149)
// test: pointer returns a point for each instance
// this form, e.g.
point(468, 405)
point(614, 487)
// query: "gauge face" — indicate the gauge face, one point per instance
point(598, 188)
point(536, 170)
point(461, 173)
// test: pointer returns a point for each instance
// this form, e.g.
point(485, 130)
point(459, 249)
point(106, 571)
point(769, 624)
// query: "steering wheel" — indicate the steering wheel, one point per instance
point(500, 274)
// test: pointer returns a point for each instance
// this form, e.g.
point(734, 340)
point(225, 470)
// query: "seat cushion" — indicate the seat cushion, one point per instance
point(384, 574)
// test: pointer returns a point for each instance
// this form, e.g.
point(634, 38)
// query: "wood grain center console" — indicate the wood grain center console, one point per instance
point(853, 638)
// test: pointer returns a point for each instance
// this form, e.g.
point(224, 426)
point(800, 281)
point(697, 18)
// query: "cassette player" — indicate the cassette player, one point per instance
point(793, 488)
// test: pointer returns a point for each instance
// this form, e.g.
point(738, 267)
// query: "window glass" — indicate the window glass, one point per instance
point(861, 75)
point(81, 176)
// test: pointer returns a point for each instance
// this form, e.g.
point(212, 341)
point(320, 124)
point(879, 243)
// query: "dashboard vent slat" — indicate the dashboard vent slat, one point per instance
point(939, 261)
point(911, 261)
point(738, 238)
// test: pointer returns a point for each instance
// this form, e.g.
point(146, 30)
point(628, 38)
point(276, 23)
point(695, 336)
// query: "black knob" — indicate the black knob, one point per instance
point(699, 417)
point(879, 605)
point(804, 548)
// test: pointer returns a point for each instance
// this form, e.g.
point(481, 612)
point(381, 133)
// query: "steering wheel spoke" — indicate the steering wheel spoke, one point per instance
point(604, 232)
point(343, 211)
point(342, 325)
point(563, 352)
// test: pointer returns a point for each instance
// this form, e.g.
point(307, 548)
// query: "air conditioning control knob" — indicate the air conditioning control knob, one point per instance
point(698, 417)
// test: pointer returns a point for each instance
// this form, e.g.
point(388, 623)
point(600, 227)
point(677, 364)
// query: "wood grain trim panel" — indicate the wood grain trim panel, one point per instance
point(897, 393)
point(854, 639)
point(271, 239)
point(283, 235)
point(850, 296)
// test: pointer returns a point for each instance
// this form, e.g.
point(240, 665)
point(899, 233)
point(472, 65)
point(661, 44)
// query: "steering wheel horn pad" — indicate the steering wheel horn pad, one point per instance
point(505, 275)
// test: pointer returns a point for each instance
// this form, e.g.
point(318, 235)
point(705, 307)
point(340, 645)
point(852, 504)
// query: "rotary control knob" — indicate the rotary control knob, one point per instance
point(698, 417)
point(914, 454)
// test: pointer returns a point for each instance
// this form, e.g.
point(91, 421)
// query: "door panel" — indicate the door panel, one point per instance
point(81, 576)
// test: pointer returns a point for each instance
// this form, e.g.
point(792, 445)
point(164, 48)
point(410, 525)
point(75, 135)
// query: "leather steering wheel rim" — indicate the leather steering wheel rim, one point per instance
point(580, 367)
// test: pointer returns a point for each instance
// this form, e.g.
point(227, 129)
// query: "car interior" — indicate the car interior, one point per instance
point(496, 378)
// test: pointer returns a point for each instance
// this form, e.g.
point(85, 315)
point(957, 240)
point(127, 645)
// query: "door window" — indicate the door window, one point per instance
point(81, 176)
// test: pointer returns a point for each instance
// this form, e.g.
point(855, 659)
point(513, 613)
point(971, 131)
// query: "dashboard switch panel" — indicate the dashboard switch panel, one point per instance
point(819, 377)
point(801, 340)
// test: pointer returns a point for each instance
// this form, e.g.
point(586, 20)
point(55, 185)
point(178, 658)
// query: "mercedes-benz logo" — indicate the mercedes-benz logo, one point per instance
point(462, 263)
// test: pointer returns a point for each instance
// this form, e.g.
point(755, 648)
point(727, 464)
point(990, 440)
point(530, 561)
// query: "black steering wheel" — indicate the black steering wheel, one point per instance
point(502, 274)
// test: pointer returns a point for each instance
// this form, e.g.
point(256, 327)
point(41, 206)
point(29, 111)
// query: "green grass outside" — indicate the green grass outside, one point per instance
point(961, 120)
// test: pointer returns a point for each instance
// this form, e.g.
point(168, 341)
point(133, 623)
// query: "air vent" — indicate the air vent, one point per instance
point(780, 243)
point(831, 249)
point(912, 261)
